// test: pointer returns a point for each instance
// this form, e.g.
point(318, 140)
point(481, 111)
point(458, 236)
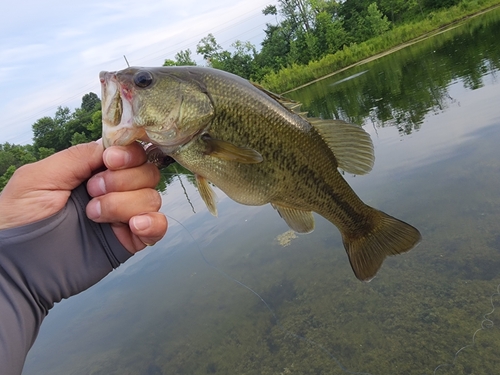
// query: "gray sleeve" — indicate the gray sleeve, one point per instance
point(42, 263)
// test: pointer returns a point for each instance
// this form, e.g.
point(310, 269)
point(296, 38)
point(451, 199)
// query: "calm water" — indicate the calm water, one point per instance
point(433, 111)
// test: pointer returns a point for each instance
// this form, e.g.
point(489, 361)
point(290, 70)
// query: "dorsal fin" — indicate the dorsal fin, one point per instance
point(351, 145)
point(289, 104)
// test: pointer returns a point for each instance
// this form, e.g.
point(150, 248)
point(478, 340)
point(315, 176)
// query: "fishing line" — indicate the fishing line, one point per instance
point(184, 189)
point(486, 324)
point(125, 57)
point(277, 321)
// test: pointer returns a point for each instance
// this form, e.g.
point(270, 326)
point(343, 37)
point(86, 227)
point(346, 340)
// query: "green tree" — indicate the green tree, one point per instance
point(209, 48)
point(169, 62)
point(78, 138)
point(275, 50)
point(90, 103)
point(376, 22)
point(353, 13)
point(15, 155)
point(4, 178)
point(436, 4)
point(270, 9)
point(47, 133)
point(241, 61)
point(330, 33)
point(308, 30)
point(300, 13)
point(59, 132)
point(182, 58)
point(62, 116)
point(45, 152)
point(95, 126)
point(12, 157)
point(6, 159)
point(79, 126)
point(398, 10)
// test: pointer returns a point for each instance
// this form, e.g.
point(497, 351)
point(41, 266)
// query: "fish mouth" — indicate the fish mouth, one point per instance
point(118, 126)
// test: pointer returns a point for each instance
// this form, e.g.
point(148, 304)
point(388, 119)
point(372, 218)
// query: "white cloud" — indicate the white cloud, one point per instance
point(15, 55)
point(53, 52)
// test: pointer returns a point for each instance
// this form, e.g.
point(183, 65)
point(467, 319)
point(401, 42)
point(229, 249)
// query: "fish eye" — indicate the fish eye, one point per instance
point(143, 79)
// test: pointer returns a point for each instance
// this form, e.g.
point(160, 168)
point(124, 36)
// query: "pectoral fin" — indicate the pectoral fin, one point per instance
point(230, 152)
point(207, 194)
point(299, 221)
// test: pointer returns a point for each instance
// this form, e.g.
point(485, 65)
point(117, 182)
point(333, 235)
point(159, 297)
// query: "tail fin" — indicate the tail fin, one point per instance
point(389, 236)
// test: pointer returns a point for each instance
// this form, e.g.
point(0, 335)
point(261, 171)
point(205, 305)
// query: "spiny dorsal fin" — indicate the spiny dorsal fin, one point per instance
point(299, 221)
point(290, 104)
point(351, 145)
point(230, 152)
point(207, 194)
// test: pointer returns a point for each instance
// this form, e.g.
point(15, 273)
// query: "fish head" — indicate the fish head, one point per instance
point(158, 105)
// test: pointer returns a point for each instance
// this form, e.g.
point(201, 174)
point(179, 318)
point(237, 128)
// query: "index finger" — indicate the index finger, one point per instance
point(122, 157)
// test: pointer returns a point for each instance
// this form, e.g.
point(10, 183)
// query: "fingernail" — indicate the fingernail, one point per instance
point(115, 158)
point(101, 184)
point(94, 209)
point(96, 186)
point(141, 222)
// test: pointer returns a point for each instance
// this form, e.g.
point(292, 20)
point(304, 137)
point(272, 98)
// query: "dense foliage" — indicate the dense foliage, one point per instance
point(308, 39)
point(403, 89)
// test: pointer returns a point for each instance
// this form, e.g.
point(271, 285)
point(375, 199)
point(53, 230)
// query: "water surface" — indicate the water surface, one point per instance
point(433, 110)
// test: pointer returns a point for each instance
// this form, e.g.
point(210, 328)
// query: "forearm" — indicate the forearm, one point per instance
point(44, 262)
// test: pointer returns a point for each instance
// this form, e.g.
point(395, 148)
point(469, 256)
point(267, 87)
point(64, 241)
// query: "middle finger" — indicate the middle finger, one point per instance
point(120, 207)
point(108, 181)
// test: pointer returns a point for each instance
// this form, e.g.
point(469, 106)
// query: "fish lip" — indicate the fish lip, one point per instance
point(117, 113)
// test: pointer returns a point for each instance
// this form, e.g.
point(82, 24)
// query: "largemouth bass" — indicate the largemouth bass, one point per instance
point(257, 148)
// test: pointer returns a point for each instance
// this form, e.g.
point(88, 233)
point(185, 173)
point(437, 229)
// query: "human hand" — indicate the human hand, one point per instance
point(123, 195)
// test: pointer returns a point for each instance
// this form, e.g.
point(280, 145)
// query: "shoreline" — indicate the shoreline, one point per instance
point(440, 30)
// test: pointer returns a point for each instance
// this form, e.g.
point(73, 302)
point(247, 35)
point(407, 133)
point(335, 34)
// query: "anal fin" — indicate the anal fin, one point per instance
point(298, 220)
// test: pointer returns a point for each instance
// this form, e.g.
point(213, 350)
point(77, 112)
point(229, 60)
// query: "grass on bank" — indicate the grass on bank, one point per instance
point(296, 75)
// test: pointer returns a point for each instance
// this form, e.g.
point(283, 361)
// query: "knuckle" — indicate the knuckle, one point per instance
point(154, 199)
point(23, 171)
point(160, 223)
point(155, 174)
point(110, 208)
point(114, 182)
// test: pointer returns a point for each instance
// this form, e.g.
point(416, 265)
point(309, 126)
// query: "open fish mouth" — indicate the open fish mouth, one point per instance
point(118, 127)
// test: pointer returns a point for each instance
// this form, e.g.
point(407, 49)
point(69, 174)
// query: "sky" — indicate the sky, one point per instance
point(51, 51)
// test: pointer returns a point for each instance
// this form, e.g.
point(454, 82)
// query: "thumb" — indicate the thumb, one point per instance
point(67, 169)
point(41, 189)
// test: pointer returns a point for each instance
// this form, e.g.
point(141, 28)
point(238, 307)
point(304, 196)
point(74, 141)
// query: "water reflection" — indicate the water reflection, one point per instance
point(401, 89)
point(167, 312)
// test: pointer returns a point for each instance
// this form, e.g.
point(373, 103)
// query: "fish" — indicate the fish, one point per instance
point(258, 148)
